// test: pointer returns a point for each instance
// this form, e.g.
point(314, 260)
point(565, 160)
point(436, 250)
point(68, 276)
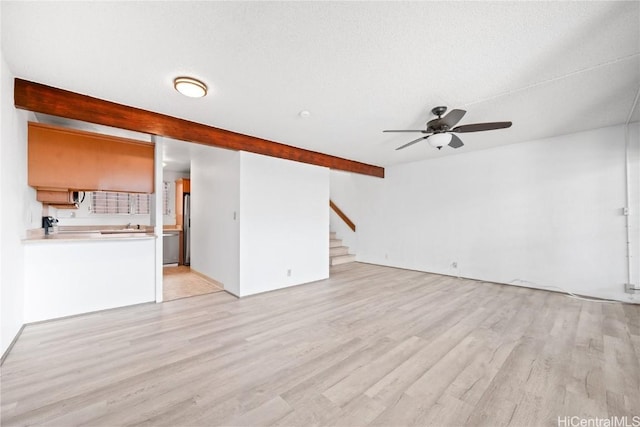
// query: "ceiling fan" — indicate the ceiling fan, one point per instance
point(442, 131)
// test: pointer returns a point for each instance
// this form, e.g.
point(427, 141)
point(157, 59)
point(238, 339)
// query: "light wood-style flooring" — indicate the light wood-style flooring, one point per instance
point(370, 346)
point(181, 282)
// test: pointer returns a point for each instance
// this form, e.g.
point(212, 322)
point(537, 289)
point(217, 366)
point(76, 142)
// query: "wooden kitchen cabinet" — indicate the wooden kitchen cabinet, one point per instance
point(61, 199)
point(69, 159)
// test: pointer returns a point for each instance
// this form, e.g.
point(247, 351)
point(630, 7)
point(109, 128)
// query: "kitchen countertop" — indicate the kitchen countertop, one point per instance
point(89, 233)
point(85, 236)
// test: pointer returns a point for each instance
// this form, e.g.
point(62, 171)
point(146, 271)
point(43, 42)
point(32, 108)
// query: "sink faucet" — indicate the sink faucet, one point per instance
point(48, 223)
point(128, 226)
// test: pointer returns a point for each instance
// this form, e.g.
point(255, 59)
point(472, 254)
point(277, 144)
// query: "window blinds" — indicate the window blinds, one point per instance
point(112, 203)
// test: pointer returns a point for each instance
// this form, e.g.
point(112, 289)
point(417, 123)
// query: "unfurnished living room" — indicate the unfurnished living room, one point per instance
point(402, 213)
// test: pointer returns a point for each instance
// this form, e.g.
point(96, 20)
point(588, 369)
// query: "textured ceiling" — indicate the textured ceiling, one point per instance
point(359, 67)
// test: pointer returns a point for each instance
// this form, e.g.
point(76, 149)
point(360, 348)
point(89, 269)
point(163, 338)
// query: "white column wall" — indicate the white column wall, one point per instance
point(284, 228)
point(156, 217)
point(215, 221)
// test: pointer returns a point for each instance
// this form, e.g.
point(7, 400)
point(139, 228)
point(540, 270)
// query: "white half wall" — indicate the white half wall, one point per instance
point(284, 229)
point(545, 213)
point(215, 221)
point(70, 278)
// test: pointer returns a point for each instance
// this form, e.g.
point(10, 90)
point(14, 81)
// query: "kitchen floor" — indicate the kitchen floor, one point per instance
point(181, 282)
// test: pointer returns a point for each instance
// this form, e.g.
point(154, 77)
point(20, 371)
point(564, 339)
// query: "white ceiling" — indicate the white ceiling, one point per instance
point(359, 67)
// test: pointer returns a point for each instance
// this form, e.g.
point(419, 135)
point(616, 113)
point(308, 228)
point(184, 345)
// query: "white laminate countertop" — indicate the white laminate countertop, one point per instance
point(87, 236)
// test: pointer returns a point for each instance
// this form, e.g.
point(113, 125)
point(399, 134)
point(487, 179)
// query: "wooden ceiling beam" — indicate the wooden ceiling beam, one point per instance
point(45, 99)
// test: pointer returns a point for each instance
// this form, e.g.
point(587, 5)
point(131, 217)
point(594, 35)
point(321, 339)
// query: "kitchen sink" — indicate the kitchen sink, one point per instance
point(124, 231)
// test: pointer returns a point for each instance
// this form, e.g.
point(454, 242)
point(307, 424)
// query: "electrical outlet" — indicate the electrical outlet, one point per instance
point(289, 273)
point(454, 264)
point(631, 288)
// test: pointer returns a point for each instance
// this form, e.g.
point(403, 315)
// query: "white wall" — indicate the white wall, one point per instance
point(257, 217)
point(634, 204)
point(215, 238)
point(67, 278)
point(156, 217)
point(545, 213)
point(284, 223)
point(18, 209)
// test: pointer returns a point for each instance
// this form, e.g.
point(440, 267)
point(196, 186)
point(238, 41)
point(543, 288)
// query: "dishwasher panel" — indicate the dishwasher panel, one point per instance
point(170, 248)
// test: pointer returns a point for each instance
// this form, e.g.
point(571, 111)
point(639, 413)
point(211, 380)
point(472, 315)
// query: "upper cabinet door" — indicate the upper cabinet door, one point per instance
point(69, 159)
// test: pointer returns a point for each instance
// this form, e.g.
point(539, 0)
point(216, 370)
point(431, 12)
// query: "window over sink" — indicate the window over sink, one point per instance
point(113, 203)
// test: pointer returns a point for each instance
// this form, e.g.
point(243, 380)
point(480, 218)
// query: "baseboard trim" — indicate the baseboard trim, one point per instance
point(529, 286)
point(230, 293)
point(207, 278)
point(13, 342)
point(214, 281)
point(70, 316)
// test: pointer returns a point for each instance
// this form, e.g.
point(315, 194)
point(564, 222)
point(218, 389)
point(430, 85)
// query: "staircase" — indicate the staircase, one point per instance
point(338, 254)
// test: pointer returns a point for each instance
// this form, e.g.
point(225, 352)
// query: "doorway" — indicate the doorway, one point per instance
point(181, 282)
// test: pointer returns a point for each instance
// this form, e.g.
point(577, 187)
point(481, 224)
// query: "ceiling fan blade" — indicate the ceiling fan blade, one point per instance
point(449, 120)
point(412, 142)
point(455, 142)
point(453, 117)
point(477, 127)
point(406, 130)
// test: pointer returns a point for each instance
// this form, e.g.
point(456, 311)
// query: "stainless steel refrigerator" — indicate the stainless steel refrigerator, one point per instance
point(186, 211)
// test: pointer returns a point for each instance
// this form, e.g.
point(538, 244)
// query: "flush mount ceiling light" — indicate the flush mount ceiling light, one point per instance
point(439, 140)
point(189, 86)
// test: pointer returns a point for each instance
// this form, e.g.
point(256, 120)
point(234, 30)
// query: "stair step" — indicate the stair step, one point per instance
point(338, 250)
point(334, 243)
point(332, 235)
point(342, 259)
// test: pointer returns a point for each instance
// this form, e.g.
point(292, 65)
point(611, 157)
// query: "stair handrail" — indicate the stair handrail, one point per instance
point(342, 215)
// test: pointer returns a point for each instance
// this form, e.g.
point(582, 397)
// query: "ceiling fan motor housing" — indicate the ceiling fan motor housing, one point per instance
point(439, 111)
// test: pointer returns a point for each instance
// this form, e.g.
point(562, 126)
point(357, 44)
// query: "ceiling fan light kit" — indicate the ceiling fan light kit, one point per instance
point(439, 140)
point(442, 132)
